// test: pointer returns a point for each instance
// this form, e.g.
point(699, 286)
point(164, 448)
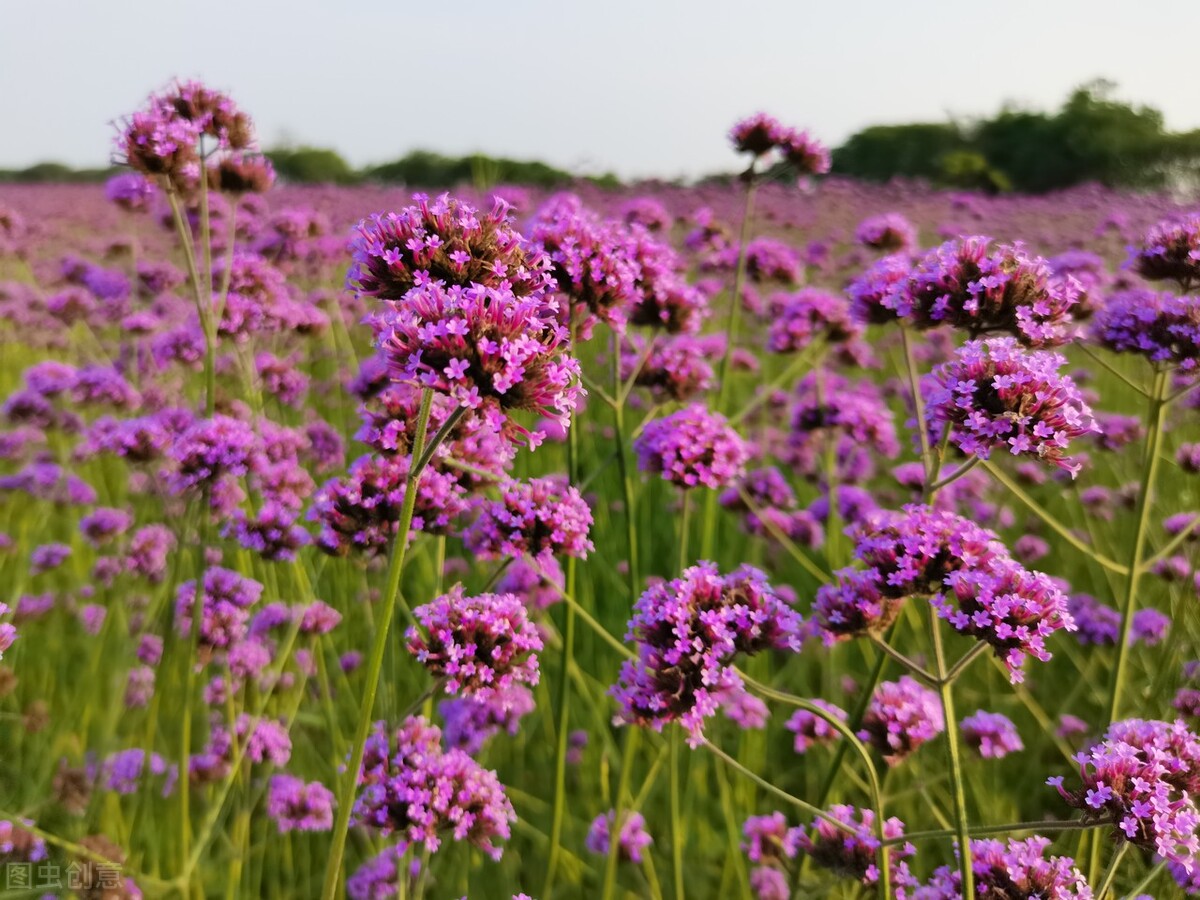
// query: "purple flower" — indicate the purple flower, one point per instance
point(1018, 869)
point(901, 716)
point(890, 232)
point(850, 413)
point(633, 839)
point(411, 787)
point(811, 730)
point(692, 447)
point(1141, 780)
point(488, 348)
point(994, 394)
point(481, 645)
point(447, 242)
point(687, 632)
point(1170, 251)
point(130, 191)
point(675, 368)
point(296, 806)
point(103, 524)
point(224, 604)
point(540, 518)
point(1164, 328)
point(471, 721)
point(769, 839)
point(852, 852)
point(47, 557)
point(806, 315)
point(991, 735)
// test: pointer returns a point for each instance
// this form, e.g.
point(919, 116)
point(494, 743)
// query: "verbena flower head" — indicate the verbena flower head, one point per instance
point(692, 447)
point(902, 716)
point(1142, 779)
point(541, 517)
point(811, 729)
point(877, 296)
point(850, 413)
point(965, 284)
point(591, 263)
point(758, 134)
point(471, 721)
point(1170, 251)
point(412, 788)
point(297, 806)
point(687, 632)
point(991, 735)
point(1007, 606)
point(488, 348)
point(633, 839)
point(673, 369)
point(480, 645)
point(769, 839)
point(361, 511)
point(1163, 327)
point(907, 552)
point(130, 191)
point(448, 242)
point(890, 232)
point(224, 607)
point(664, 298)
point(1019, 868)
point(852, 852)
point(806, 315)
point(995, 394)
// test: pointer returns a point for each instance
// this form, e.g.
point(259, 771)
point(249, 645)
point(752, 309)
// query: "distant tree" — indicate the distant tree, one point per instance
point(311, 165)
point(883, 152)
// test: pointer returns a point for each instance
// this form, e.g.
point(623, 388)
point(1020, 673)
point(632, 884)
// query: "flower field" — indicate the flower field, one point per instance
point(779, 536)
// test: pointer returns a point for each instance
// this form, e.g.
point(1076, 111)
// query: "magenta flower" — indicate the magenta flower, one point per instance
point(481, 645)
point(540, 518)
point(692, 447)
point(1163, 327)
point(853, 853)
point(901, 717)
point(890, 232)
point(297, 806)
point(634, 837)
point(1170, 251)
point(1018, 869)
point(991, 735)
point(994, 394)
point(687, 632)
point(811, 730)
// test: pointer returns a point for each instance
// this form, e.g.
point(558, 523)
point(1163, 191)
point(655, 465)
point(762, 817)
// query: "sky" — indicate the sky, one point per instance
point(643, 89)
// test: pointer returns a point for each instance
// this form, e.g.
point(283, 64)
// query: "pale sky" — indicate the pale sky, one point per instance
point(640, 88)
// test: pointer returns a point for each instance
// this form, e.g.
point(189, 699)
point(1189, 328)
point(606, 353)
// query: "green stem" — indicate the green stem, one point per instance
point(1058, 527)
point(1154, 433)
point(914, 385)
point(337, 849)
point(946, 688)
point(614, 831)
point(732, 318)
point(919, 671)
point(1110, 874)
point(1048, 825)
point(676, 818)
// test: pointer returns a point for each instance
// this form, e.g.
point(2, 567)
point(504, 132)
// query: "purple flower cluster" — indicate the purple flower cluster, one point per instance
point(1100, 624)
point(673, 369)
point(966, 285)
point(1018, 869)
point(471, 721)
point(687, 632)
point(224, 607)
point(633, 839)
point(993, 393)
point(297, 806)
point(417, 790)
point(481, 645)
point(890, 232)
point(1141, 779)
point(991, 735)
point(1163, 327)
point(850, 413)
point(759, 134)
point(811, 729)
point(806, 315)
point(538, 518)
point(901, 716)
point(446, 242)
point(873, 294)
point(692, 447)
point(165, 138)
point(853, 852)
point(1170, 251)
point(488, 348)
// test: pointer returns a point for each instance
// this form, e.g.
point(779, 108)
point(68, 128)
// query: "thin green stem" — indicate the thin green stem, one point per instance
point(911, 665)
point(1058, 527)
point(1188, 531)
point(946, 688)
point(953, 476)
point(676, 818)
point(614, 831)
point(801, 362)
point(732, 318)
point(337, 849)
point(1150, 462)
point(585, 616)
point(914, 385)
point(1110, 873)
point(1113, 370)
point(1048, 826)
